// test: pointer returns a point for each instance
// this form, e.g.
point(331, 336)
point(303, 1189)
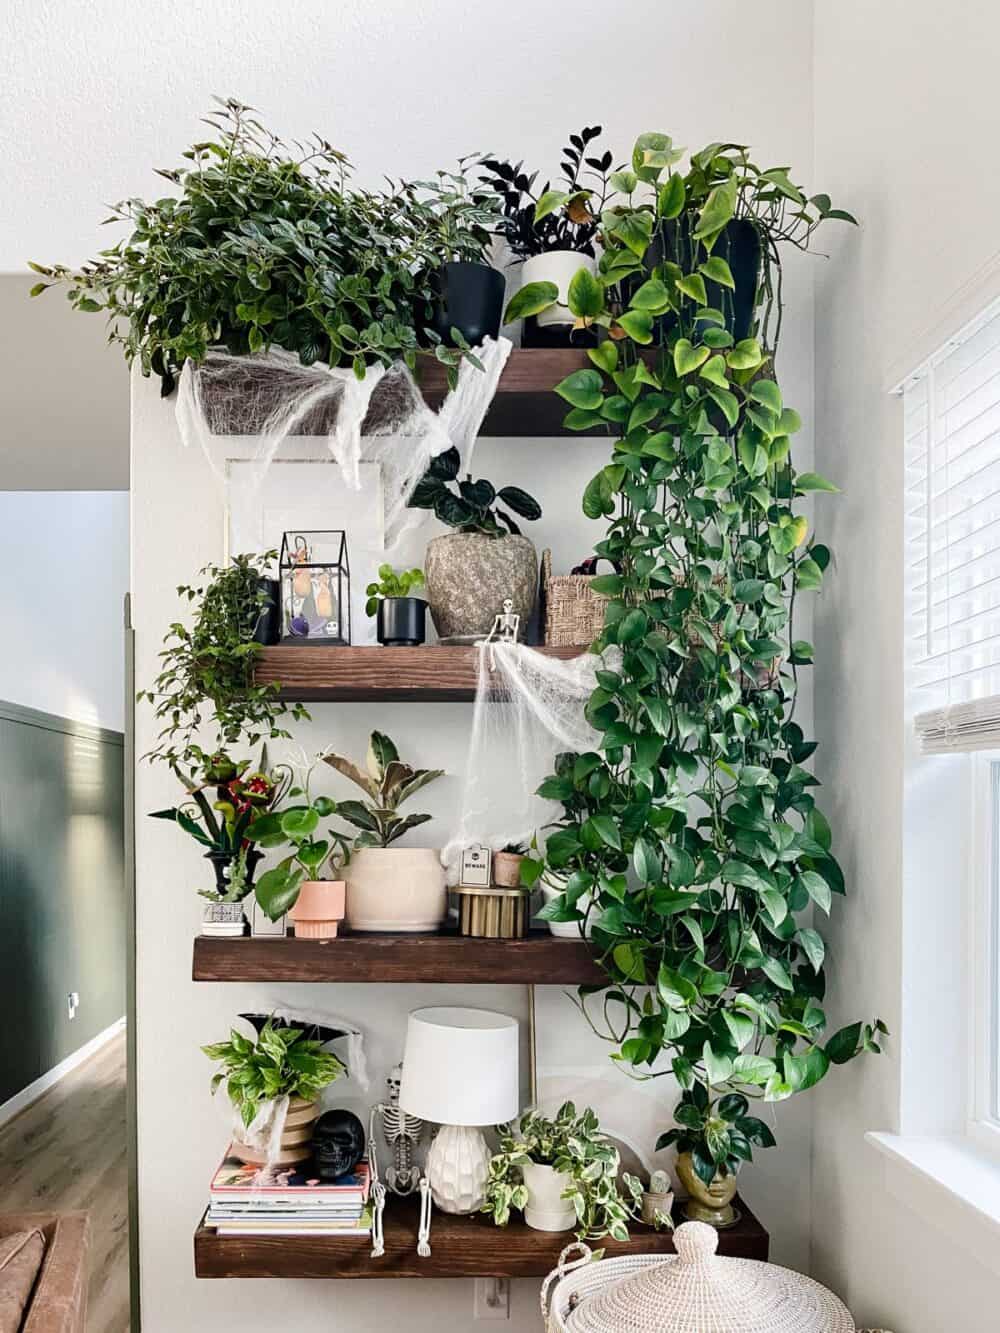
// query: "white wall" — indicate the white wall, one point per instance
point(905, 118)
point(65, 560)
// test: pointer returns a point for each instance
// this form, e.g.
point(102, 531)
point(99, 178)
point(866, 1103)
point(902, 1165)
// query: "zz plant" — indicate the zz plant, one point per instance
point(694, 822)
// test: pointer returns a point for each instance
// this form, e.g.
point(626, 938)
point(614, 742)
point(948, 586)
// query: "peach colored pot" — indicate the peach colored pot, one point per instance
point(318, 909)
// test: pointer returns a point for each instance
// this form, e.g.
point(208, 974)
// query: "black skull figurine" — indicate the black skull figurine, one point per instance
point(338, 1143)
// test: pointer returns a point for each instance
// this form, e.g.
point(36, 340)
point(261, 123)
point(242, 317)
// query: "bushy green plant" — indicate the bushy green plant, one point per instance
point(461, 217)
point(387, 782)
point(720, 1135)
point(694, 820)
point(263, 245)
point(282, 1062)
point(391, 584)
point(572, 1144)
point(207, 674)
point(472, 507)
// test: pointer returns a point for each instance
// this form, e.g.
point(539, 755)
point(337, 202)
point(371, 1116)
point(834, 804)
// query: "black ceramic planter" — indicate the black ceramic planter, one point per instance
point(556, 336)
point(401, 622)
point(222, 864)
point(268, 628)
point(470, 299)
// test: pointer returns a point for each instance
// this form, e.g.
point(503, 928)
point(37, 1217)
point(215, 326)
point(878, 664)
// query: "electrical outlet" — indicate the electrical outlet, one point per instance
point(492, 1298)
point(72, 1003)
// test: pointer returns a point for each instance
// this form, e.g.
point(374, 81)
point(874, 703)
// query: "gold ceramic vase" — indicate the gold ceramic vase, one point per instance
point(707, 1203)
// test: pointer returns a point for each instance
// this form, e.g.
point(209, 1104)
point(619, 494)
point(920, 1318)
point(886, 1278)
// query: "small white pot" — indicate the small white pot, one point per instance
point(552, 886)
point(399, 889)
point(546, 1210)
point(560, 267)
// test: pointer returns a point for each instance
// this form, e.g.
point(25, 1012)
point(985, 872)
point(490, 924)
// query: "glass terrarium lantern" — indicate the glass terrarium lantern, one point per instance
point(315, 588)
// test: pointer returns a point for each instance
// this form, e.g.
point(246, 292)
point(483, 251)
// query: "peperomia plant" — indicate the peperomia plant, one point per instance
point(387, 782)
point(282, 1062)
point(391, 584)
point(572, 1144)
point(474, 507)
point(693, 822)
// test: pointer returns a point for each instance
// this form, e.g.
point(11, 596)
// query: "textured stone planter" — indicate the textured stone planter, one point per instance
point(469, 575)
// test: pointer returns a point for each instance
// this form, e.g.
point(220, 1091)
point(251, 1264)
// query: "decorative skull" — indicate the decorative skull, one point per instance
point(338, 1143)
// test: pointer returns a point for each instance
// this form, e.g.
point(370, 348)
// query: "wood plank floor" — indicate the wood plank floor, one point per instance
point(67, 1151)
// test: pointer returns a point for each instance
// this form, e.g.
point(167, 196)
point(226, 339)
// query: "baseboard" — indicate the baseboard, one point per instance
point(41, 1085)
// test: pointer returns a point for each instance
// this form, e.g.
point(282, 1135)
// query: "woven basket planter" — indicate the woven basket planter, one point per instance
point(573, 613)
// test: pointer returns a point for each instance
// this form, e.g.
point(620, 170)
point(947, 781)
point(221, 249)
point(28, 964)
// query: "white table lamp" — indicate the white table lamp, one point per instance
point(460, 1070)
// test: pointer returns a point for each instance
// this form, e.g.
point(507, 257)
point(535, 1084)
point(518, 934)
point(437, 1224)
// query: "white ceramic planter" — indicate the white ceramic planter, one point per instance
point(546, 1210)
point(560, 267)
point(552, 886)
point(396, 889)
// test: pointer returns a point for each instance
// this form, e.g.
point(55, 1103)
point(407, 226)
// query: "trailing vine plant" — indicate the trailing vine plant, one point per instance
point(693, 823)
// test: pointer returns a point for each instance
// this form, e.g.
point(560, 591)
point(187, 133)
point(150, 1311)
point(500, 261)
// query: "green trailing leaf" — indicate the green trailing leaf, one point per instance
point(531, 299)
point(582, 389)
point(585, 296)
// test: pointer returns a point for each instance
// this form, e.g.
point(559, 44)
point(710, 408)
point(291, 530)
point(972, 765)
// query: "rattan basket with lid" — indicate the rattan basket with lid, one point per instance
point(694, 1291)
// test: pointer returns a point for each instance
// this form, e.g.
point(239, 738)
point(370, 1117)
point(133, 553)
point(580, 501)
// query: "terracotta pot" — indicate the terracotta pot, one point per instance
point(546, 1209)
point(296, 1137)
point(707, 1203)
point(507, 869)
point(468, 577)
point(318, 909)
point(398, 889)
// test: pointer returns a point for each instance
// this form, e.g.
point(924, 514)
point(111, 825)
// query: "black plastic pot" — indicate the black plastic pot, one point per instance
point(738, 245)
point(268, 628)
point(401, 622)
point(470, 299)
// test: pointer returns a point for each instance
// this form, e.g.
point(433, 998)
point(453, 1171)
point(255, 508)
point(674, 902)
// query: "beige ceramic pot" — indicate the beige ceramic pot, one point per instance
point(546, 1209)
point(296, 1137)
point(396, 889)
point(318, 909)
point(468, 577)
point(507, 869)
point(707, 1203)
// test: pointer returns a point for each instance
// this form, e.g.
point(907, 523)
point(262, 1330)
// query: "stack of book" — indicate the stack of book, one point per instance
point(247, 1200)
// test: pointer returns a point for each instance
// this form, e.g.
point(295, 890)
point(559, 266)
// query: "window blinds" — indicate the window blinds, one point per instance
point(951, 414)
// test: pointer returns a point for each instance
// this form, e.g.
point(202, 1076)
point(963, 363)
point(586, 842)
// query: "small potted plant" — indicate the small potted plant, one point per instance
point(297, 884)
point(460, 219)
point(713, 1139)
point(282, 1063)
point(401, 620)
point(225, 800)
point(552, 232)
point(389, 888)
point(507, 865)
point(471, 572)
point(560, 1172)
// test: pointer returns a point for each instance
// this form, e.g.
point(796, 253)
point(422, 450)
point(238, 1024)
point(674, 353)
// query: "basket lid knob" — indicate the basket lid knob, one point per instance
point(695, 1242)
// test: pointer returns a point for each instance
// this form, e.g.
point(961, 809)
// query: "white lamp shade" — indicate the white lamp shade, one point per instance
point(461, 1067)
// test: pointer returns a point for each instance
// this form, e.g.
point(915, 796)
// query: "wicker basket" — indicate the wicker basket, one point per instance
point(572, 613)
point(694, 1291)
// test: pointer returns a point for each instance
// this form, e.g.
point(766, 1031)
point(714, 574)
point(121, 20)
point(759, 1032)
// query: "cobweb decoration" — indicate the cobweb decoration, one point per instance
point(381, 419)
point(529, 708)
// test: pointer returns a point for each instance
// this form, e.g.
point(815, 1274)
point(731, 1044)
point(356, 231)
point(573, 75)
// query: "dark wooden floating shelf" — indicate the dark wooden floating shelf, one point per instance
point(540, 959)
point(460, 1247)
point(431, 674)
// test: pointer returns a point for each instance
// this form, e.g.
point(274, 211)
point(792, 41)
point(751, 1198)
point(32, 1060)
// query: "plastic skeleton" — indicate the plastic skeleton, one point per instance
point(401, 1132)
point(506, 628)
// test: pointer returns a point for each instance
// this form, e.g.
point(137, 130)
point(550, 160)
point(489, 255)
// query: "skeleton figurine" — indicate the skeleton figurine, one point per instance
point(506, 624)
point(402, 1134)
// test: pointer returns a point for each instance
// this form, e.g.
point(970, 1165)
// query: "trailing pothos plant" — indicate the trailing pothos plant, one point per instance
point(693, 822)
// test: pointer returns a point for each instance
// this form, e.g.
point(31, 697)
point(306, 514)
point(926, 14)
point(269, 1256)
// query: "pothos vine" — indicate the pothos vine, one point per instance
point(691, 839)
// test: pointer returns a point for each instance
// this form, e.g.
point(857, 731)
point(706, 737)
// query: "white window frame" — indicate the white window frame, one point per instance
point(983, 916)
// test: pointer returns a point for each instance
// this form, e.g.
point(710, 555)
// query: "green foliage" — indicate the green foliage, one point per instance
point(282, 1062)
point(268, 245)
point(472, 506)
point(719, 1135)
point(207, 672)
point(460, 217)
point(691, 833)
point(572, 1144)
point(391, 584)
point(387, 782)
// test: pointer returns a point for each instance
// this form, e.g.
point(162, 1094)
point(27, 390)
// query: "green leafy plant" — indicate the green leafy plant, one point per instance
point(719, 1135)
point(460, 217)
point(472, 507)
point(387, 782)
point(515, 848)
point(691, 831)
point(572, 1144)
point(391, 584)
point(208, 670)
point(282, 1062)
point(243, 796)
point(264, 245)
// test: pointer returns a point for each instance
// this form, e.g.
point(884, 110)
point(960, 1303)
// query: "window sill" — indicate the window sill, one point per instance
point(951, 1183)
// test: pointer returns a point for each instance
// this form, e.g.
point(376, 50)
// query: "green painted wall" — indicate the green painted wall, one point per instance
point(62, 889)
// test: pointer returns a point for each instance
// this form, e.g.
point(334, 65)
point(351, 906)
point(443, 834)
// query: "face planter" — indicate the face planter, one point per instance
point(338, 1143)
point(707, 1203)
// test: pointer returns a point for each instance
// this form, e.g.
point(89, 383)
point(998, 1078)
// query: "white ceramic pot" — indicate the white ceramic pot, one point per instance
point(560, 267)
point(552, 886)
point(395, 889)
point(546, 1210)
